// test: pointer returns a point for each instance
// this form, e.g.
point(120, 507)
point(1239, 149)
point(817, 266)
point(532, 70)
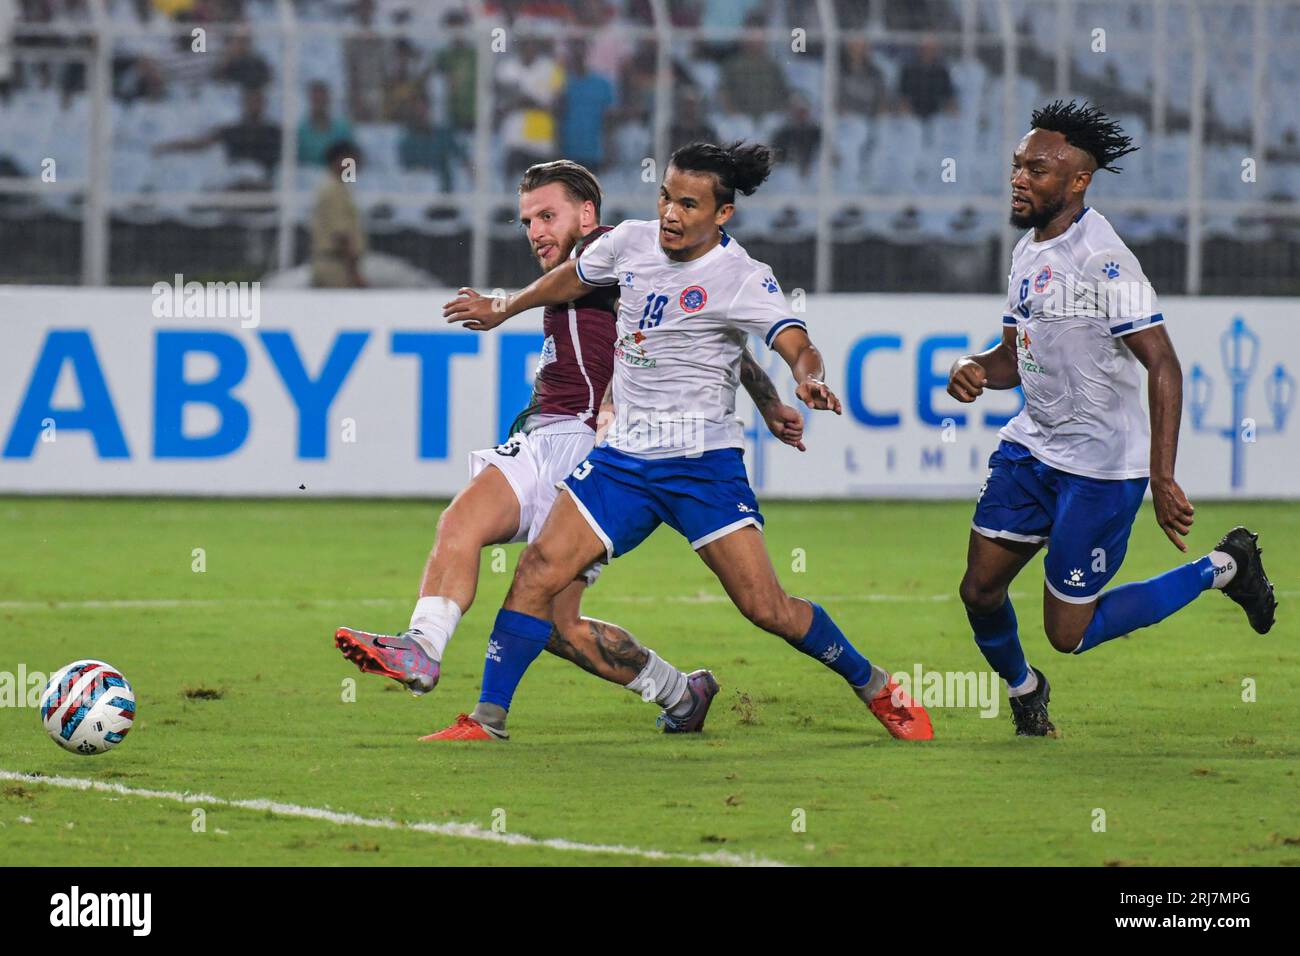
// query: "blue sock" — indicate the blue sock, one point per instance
point(1143, 603)
point(516, 641)
point(827, 643)
point(998, 641)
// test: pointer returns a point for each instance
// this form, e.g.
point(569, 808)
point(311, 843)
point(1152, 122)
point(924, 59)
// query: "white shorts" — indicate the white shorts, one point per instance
point(534, 463)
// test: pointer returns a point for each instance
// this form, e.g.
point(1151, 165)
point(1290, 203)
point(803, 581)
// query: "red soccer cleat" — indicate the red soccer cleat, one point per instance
point(903, 717)
point(398, 656)
point(466, 728)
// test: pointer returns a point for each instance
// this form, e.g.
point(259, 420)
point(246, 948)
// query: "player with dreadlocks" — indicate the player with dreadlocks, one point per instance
point(1072, 468)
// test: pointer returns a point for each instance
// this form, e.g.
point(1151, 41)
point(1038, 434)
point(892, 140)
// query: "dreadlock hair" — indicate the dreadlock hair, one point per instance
point(1087, 128)
point(737, 166)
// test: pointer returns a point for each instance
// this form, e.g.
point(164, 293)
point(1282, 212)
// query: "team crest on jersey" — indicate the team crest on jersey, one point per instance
point(693, 299)
point(1042, 279)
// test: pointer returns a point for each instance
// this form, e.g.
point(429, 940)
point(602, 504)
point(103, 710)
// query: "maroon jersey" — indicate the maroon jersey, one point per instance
point(577, 355)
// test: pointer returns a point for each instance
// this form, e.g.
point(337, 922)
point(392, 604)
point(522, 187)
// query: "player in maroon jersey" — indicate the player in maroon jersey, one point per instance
point(513, 485)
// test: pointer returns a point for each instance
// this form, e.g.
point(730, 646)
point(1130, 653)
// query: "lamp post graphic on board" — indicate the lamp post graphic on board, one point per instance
point(1239, 349)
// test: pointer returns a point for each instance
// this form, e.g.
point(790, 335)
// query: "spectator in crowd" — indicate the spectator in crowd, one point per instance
point(319, 130)
point(925, 86)
point(752, 81)
point(458, 63)
point(251, 137)
point(689, 124)
point(405, 84)
point(863, 88)
point(241, 64)
point(363, 60)
point(140, 79)
point(586, 99)
point(428, 145)
point(528, 85)
point(338, 242)
point(799, 137)
point(610, 44)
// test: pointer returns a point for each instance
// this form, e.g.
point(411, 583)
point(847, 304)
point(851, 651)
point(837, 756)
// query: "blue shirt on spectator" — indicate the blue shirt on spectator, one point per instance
point(586, 99)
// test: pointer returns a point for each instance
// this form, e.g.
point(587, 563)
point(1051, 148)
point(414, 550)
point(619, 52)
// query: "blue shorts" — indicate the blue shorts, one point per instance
point(624, 498)
point(1086, 521)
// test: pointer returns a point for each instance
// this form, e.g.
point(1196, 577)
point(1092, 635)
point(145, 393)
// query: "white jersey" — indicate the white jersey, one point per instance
point(1071, 300)
point(681, 329)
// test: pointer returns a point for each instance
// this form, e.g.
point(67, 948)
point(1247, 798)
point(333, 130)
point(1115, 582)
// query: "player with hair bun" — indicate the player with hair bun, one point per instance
point(690, 297)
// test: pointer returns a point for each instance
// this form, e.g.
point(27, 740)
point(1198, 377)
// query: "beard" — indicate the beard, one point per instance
point(564, 247)
point(1037, 218)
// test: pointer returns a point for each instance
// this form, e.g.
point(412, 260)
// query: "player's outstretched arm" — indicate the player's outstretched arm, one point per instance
point(996, 369)
point(805, 362)
point(1165, 397)
point(782, 421)
point(480, 312)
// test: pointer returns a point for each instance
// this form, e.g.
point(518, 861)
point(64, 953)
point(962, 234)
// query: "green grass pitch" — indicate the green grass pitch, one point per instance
point(241, 696)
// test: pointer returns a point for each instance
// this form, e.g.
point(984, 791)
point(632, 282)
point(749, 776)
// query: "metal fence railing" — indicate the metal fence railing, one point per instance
point(134, 148)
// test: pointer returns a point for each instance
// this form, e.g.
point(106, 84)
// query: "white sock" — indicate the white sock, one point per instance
point(1225, 568)
point(1027, 686)
point(436, 619)
point(659, 681)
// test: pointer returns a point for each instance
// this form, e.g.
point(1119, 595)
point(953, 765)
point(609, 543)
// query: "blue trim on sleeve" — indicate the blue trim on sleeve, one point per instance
point(1137, 325)
point(578, 262)
point(1008, 318)
point(777, 329)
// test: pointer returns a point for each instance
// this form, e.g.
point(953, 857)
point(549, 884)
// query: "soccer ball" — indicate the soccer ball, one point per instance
point(87, 707)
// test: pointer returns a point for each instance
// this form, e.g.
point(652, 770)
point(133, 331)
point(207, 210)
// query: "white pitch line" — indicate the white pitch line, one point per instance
point(463, 831)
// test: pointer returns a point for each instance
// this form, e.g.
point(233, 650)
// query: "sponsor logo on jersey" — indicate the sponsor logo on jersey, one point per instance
point(627, 278)
point(1111, 270)
point(1042, 279)
point(628, 349)
point(693, 299)
point(1075, 580)
point(548, 354)
point(770, 285)
point(1027, 361)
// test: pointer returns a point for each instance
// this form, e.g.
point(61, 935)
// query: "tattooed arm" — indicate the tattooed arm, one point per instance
point(783, 421)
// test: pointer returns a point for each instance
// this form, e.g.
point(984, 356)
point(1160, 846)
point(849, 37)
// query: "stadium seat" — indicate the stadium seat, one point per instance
point(851, 133)
point(378, 142)
point(732, 126)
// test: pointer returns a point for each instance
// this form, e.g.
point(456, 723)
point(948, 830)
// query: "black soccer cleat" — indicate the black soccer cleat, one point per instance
point(1250, 586)
point(1029, 711)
